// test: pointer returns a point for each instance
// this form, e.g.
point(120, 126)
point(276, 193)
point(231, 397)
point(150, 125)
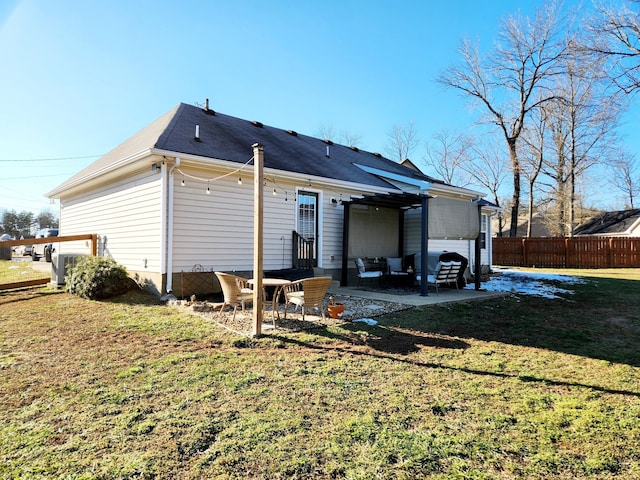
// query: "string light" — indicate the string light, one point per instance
point(215, 178)
point(209, 180)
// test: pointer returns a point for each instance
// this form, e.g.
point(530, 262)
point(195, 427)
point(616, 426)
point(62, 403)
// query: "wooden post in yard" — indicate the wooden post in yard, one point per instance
point(258, 220)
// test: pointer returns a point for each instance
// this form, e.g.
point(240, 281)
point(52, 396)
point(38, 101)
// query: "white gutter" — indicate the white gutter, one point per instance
point(169, 224)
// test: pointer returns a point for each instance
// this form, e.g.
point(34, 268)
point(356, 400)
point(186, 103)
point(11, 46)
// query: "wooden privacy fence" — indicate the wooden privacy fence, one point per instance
point(567, 252)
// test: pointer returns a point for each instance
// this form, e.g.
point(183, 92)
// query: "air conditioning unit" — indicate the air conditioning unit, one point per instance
point(60, 262)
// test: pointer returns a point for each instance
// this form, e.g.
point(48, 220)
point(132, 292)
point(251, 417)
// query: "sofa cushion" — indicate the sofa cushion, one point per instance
point(394, 264)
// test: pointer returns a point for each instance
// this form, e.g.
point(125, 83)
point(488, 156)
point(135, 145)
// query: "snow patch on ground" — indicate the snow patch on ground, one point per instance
point(530, 283)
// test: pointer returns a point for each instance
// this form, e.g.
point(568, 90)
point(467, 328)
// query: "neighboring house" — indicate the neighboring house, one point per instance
point(622, 223)
point(175, 201)
point(539, 226)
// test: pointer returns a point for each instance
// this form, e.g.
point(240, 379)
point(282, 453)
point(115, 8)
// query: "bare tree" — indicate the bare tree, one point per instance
point(446, 155)
point(403, 140)
point(534, 151)
point(583, 121)
point(343, 137)
point(626, 177)
point(617, 36)
point(514, 80)
point(488, 168)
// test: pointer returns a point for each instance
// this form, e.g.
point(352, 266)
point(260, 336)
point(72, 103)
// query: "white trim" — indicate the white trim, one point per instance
point(319, 213)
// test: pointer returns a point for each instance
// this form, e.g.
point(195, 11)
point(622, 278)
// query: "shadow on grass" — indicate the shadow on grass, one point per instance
point(393, 340)
point(26, 293)
point(384, 351)
point(600, 320)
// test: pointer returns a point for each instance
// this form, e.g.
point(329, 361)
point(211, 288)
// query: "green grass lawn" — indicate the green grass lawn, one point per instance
point(12, 271)
point(518, 387)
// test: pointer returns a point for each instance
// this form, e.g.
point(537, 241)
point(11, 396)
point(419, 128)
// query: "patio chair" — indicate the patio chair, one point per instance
point(395, 273)
point(441, 274)
point(306, 293)
point(235, 291)
point(453, 273)
point(362, 272)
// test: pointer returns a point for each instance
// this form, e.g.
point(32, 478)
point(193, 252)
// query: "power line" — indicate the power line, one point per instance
point(58, 159)
point(38, 176)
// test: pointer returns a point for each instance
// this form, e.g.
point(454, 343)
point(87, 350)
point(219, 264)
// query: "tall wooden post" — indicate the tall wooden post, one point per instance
point(258, 221)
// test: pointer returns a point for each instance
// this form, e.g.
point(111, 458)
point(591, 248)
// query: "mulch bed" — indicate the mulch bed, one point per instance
point(355, 308)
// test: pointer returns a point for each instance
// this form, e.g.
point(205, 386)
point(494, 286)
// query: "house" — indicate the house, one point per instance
point(175, 202)
point(621, 223)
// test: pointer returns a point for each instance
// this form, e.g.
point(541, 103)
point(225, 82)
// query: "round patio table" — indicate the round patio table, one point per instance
point(278, 284)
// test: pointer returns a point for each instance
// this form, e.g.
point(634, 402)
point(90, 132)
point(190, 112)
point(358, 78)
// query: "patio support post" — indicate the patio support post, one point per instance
point(345, 243)
point(478, 251)
point(401, 213)
point(424, 246)
point(258, 221)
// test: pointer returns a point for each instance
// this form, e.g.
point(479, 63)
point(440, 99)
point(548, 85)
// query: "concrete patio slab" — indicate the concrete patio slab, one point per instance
point(445, 295)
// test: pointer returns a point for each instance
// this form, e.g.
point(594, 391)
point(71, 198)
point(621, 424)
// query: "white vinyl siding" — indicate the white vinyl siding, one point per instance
point(216, 230)
point(333, 219)
point(126, 216)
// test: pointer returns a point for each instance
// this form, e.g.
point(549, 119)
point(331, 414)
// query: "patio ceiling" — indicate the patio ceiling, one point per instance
point(399, 201)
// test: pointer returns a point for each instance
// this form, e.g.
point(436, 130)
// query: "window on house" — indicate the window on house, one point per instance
point(308, 219)
point(483, 231)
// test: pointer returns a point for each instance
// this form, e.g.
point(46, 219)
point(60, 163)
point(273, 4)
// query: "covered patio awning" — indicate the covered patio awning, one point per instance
point(405, 201)
point(400, 201)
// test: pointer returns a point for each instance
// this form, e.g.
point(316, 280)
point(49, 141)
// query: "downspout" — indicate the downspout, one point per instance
point(346, 220)
point(164, 172)
point(169, 241)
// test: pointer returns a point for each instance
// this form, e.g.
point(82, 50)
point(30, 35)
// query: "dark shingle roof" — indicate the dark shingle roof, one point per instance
point(228, 138)
point(609, 223)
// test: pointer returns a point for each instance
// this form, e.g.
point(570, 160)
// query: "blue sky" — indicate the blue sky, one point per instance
point(79, 77)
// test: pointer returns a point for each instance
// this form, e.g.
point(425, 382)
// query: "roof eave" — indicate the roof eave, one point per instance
point(197, 160)
point(82, 180)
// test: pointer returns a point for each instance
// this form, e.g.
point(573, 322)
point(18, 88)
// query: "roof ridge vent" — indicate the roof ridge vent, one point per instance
point(377, 154)
point(292, 132)
point(327, 141)
point(257, 123)
point(354, 148)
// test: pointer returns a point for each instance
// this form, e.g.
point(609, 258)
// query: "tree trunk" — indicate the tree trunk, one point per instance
point(530, 212)
point(515, 167)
